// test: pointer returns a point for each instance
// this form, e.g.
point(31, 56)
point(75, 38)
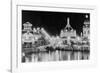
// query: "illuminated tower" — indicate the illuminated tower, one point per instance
point(68, 31)
point(86, 28)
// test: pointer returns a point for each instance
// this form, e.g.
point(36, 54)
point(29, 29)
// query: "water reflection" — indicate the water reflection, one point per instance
point(55, 56)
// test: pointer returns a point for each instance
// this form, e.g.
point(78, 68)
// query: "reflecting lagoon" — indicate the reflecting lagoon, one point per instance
point(56, 55)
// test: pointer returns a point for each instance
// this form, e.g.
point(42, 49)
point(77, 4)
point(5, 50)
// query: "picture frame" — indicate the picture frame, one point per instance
point(16, 23)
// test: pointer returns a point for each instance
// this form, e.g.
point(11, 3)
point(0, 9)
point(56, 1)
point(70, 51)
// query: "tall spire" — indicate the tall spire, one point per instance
point(68, 22)
point(68, 26)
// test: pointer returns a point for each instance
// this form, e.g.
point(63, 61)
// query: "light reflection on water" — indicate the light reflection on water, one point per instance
point(56, 56)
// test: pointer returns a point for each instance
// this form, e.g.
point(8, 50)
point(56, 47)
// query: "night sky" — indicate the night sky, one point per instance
point(53, 22)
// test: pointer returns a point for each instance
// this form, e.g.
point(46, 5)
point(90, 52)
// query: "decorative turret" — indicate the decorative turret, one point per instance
point(27, 26)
